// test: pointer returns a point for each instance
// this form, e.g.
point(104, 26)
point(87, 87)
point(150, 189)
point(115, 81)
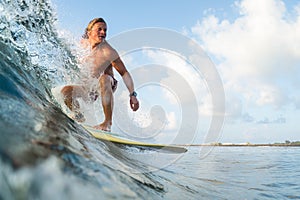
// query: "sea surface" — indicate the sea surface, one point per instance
point(45, 155)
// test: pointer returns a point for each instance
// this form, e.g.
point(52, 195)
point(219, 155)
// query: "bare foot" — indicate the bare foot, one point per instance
point(105, 126)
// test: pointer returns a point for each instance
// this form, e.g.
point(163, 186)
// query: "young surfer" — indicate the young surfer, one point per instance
point(99, 63)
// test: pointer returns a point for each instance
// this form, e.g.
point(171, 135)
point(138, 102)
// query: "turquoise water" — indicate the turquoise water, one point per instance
point(45, 155)
point(240, 173)
point(226, 173)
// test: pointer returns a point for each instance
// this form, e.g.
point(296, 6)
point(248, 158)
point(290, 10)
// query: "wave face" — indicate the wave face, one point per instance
point(44, 154)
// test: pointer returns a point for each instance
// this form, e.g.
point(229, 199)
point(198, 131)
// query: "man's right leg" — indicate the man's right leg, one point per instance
point(70, 93)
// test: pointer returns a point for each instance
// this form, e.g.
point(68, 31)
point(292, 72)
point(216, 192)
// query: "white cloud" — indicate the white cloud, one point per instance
point(171, 98)
point(270, 95)
point(259, 52)
point(195, 80)
point(172, 122)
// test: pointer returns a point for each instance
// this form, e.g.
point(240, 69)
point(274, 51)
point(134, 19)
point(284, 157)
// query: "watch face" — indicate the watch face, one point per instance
point(133, 94)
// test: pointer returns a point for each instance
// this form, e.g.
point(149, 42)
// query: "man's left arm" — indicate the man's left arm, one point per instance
point(128, 81)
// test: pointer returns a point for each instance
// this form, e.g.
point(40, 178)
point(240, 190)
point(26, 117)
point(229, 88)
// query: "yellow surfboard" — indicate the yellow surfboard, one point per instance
point(115, 138)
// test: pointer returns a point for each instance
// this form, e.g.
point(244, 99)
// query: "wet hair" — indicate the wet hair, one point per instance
point(90, 26)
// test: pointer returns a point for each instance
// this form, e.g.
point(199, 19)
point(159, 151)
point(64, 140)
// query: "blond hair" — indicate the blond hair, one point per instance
point(90, 26)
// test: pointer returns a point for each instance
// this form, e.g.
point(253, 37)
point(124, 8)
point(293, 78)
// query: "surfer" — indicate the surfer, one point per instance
point(99, 63)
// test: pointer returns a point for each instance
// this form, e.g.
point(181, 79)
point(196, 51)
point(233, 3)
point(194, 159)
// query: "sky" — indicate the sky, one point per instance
point(254, 46)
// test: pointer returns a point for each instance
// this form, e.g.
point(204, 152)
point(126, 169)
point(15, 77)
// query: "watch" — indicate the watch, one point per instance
point(133, 94)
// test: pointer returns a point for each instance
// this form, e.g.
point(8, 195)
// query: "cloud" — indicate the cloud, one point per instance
point(270, 95)
point(258, 52)
point(297, 102)
point(197, 87)
point(172, 122)
point(279, 120)
point(247, 118)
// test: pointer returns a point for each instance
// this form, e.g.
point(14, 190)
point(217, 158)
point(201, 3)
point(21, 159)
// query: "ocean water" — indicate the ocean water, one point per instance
point(45, 155)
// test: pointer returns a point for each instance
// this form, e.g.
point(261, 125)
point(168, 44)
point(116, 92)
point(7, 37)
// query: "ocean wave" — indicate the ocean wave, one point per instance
point(40, 147)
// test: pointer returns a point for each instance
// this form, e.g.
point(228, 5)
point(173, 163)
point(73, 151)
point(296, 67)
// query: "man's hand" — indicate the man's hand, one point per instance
point(134, 103)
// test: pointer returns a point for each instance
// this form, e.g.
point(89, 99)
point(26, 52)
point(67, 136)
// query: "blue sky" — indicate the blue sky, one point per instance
point(254, 44)
point(125, 15)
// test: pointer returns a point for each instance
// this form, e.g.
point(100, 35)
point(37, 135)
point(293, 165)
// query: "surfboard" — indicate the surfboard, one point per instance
point(116, 138)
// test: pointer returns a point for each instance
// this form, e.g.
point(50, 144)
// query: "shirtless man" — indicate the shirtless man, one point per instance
point(101, 61)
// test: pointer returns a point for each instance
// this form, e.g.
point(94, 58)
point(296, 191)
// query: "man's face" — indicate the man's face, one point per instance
point(98, 32)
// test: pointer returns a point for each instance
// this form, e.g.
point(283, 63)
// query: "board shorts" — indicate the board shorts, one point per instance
point(94, 88)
